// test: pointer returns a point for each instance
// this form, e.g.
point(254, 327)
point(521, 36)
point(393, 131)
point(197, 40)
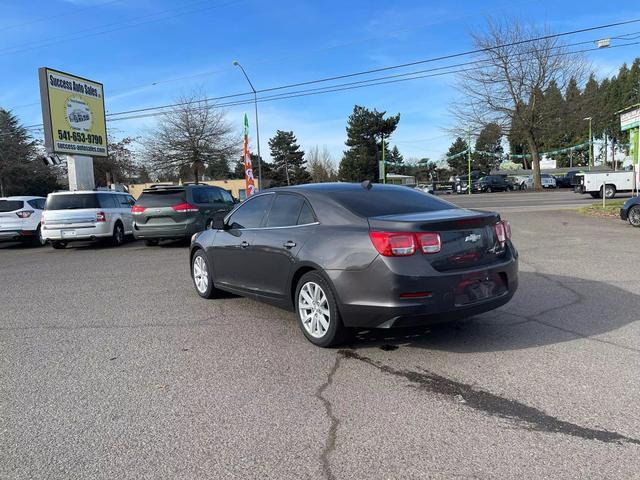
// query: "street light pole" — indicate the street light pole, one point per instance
point(590, 143)
point(255, 103)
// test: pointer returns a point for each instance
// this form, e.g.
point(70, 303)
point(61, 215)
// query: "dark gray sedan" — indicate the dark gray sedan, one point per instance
point(347, 256)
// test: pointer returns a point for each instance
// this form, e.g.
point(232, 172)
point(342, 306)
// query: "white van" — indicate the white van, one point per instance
point(87, 215)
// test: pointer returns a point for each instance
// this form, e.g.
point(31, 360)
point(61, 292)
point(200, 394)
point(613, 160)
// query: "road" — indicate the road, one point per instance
point(112, 367)
point(526, 201)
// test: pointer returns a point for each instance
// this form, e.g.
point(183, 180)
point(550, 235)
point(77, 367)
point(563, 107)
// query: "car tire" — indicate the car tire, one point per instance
point(317, 311)
point(117, 238)
point(595, 194)
point(151, 243)
point(609, 191)
point(489, 190)
point(202, 276)
point(633, 216)
point(59, 245)
point(37, 240)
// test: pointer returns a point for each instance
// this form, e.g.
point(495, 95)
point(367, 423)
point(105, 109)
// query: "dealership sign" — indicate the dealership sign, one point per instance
point(73, 114)
point(630, 119)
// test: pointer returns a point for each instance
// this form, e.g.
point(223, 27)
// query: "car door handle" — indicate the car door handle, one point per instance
point(289, 244)
point(244, 244)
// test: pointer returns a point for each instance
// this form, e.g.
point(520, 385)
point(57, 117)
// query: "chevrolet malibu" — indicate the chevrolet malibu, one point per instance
point(346, 256)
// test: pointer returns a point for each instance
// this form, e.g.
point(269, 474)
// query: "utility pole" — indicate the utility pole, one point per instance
point(469, 161)
point(590, 143)
point(383, 164)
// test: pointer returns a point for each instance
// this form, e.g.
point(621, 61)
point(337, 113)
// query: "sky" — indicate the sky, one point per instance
point(148, 53)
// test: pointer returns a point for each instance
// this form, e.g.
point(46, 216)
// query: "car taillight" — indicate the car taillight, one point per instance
point(393, 244)
point(507, 229)
point(429, 242)
point(137, 209)
point(24, 213)
point(101, 217)
point(185, 207)
point(501, 234)
point(403, 244)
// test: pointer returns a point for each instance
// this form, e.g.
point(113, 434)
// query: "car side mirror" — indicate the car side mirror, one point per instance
point(218, 224)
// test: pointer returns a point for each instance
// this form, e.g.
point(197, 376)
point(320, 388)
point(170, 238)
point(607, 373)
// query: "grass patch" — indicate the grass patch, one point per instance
point(611, 209)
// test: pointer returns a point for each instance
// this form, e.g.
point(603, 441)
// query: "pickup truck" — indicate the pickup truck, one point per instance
point(614, 182)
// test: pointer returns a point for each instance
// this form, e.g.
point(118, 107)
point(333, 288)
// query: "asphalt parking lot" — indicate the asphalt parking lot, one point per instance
point(113, 367)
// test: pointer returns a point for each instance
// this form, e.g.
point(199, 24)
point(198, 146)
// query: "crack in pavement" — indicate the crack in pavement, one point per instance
point(330, 444)
point(533, 418)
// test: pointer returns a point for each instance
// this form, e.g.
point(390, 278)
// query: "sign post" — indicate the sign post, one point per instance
point(73, 114)
point(630, 120)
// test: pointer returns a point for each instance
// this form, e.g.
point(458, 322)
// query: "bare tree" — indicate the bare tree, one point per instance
point(507, 86)
point(190, 137)
point(320, 165)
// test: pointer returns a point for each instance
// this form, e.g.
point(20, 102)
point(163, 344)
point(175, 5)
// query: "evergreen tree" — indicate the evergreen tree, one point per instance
point(218, 168)
point(289, 165)
point(21, 173)
point(458, 165)
point(551, 131)
point(365, 129)
point(395, 161)
point(489, 140)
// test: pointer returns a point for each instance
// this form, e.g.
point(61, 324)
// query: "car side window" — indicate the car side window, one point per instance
point(227, 198)
point(35, 203)
point(215, 197)
point(107, 200)
point(123, 202)
point(285, 210)
point(306, 215)
point(131, 201)
point(251, 213)
point(200, 195)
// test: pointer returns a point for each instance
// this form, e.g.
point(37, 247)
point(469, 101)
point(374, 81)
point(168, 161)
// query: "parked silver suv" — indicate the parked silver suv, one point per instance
point(87, 215)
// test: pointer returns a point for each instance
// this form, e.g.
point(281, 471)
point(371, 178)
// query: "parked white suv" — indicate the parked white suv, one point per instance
point(20, 219)
point(547, 181)
point(87, 215)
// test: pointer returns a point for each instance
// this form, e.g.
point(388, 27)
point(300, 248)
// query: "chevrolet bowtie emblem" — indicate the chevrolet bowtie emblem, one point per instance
point(473, 238)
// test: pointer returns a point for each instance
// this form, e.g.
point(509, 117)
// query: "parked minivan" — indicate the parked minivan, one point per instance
point(166, 212)
point(87, 215)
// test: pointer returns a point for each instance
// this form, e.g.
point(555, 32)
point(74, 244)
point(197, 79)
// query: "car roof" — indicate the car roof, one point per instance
point(335, 187)
point(20, 197)
point(77, 192)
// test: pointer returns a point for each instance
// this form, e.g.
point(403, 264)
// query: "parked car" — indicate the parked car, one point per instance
point(547, 181)
point(614, 182)
point(424, 187)
point(87, 215)
point(630, 211)
point(175, 212)
point(461, 182)
point(568, 180)
point(20, 219)
point(347, 255)
point(491, 183)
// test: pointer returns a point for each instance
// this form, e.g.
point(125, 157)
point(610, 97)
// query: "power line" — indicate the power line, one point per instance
point(328, 89)
point(392, 67)
point(49, 18)
point(92, 31)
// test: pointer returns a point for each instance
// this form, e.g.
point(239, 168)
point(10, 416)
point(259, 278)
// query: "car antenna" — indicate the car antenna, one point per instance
point(367, 184)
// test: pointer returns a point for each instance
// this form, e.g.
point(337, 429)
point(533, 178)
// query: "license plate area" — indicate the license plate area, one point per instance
point(479, 287)
point(68, 233)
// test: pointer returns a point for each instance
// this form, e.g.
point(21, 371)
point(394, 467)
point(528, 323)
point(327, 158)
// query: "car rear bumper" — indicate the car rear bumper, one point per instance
point(15, 235)
point(367, 304)
point(158, 232)
point(102, 230)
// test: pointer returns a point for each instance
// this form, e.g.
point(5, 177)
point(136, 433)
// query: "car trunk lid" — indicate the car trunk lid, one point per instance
point(468, 238)
point(157, 207)
point(8, 218)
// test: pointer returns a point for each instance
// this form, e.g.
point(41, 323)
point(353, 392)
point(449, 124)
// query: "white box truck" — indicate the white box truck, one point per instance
point(614, 182)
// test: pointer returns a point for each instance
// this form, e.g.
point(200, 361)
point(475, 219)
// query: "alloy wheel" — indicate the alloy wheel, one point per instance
point(313, 307)
point(200, 274)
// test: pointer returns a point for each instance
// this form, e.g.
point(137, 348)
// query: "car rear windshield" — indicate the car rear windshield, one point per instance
point(72, 201)
point(162, 198)
point(372, 203)
point(10, 205)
